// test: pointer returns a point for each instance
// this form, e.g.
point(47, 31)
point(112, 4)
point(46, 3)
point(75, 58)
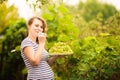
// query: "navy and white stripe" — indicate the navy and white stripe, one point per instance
point(41, 72)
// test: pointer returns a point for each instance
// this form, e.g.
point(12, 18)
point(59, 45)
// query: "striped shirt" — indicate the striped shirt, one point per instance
point(41, 72)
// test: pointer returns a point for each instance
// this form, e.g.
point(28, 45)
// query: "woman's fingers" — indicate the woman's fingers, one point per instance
point(41, 37)
point(40, 34)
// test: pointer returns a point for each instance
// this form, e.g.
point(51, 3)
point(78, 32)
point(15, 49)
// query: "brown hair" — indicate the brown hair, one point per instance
point(30, 21)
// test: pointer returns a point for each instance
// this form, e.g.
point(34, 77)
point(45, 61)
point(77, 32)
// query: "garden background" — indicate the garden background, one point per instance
point(91, 29)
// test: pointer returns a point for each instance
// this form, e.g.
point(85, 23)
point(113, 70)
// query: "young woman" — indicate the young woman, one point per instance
point(33, 51)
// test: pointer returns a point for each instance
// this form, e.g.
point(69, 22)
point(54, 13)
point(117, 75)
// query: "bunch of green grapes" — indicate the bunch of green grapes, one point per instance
point(60, 48)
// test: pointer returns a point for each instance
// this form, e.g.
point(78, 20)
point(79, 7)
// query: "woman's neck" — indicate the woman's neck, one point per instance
point(32, 38)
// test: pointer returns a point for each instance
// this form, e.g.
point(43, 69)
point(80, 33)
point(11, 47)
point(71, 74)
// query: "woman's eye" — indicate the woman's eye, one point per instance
point(41, 26)
point(37, 25)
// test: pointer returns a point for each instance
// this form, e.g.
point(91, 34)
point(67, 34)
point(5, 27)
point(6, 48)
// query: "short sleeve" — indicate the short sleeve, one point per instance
point(25, 43)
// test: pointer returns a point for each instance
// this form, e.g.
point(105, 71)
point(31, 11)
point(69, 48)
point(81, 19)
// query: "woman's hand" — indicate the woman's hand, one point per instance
point(41, 37)
point(59, 56)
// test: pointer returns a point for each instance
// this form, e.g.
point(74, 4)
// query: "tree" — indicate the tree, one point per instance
point(91, 8)
point(1, 1)
point(11, 63)
point(7, 16)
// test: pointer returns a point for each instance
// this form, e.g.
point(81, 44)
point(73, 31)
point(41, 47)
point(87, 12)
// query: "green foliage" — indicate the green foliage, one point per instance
point(97, 54)
point(92, 8)
point(11, 60)
point(60, 25)
point(38, 3)
point(1, 1)
point(8, 15)
point(95, 43)
point(97, 58)
point(113, 24)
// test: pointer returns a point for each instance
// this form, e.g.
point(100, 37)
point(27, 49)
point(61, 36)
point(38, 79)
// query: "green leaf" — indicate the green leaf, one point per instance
point(60, 60)
point(24, 71)
point(62, 9)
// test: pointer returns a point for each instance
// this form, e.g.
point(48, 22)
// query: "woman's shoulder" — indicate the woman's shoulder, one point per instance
point(25, 41)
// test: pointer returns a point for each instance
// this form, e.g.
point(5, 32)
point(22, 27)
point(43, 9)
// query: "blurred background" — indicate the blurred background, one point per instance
point(91, 28)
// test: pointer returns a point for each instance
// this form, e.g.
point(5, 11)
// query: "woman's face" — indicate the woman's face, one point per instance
point(35, 27)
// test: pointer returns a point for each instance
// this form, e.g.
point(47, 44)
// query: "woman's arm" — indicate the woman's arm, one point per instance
point(52, 59)
point(34, 57)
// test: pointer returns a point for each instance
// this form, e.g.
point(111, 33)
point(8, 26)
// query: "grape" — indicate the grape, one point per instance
point(61, 48)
